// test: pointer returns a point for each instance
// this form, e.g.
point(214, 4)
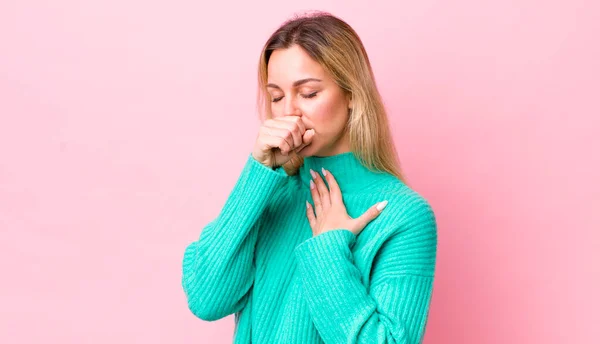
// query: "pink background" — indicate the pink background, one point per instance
point(125, 124)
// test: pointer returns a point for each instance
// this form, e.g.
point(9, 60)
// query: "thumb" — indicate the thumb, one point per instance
point(308, 135)
point(306, 139)
point(369, 215)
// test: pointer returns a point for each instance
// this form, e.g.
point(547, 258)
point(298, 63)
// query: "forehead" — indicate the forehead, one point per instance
point(291, 64)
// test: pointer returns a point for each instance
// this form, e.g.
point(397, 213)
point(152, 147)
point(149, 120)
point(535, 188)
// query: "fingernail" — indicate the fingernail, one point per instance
point(312, 184)
point(307, 205)
point(323, 170)
point(381, 205)
point(313, 173)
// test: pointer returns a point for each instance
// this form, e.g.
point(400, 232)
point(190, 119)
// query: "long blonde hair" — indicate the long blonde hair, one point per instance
point(338, 49)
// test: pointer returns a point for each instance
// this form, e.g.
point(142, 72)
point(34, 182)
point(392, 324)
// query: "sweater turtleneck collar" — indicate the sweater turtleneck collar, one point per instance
point(347, 170)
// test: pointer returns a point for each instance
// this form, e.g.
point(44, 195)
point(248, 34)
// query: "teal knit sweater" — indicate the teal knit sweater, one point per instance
point(258, 259)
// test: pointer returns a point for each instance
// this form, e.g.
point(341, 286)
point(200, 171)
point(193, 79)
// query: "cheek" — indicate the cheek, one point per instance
point(326, 114)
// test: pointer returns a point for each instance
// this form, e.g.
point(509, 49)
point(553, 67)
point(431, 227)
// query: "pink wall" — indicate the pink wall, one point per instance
point(124, 125)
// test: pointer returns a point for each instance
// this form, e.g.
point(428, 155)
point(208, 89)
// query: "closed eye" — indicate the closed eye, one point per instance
point(312, 95)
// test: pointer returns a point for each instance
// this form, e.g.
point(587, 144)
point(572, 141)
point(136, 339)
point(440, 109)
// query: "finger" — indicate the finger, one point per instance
point(334, 189)
point(297, 120)
point(284, 133)
point(288, 130)
point(295, 125)
point(279, 134)
point(370, 215)
point(270, 142)
point(323, 191)
point(306, 138)
point(314, 193)
point(310, 214)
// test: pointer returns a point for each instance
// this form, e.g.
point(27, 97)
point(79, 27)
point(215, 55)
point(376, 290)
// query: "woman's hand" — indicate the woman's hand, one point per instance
point(279, 139)
point(330, 209)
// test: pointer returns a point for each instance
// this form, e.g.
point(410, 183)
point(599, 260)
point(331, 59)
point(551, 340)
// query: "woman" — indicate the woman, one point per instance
point(342, 269)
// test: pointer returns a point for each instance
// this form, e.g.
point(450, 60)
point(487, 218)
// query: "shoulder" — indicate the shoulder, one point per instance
point(407, 209)
point(406, 240)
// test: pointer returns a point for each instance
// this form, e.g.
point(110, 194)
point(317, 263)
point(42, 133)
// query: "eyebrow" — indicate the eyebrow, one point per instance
point(296, 83)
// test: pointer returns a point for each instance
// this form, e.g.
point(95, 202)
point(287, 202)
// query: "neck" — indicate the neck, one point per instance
point(345, 167)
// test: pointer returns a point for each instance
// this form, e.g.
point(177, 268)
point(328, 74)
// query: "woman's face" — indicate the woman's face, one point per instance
point(299, 86)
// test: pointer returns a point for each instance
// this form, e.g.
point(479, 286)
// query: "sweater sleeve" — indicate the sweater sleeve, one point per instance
point(218, 268)
point(394, 309)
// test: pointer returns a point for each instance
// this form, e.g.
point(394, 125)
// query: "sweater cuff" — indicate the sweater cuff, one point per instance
point(337, 239)
point(264, 170)
point(327, 257)
point(331, 281)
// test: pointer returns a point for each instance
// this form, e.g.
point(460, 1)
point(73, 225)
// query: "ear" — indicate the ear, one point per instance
point(349, 100)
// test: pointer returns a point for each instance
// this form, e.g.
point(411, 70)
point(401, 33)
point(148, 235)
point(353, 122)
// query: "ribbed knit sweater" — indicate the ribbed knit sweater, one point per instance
point(258, 259)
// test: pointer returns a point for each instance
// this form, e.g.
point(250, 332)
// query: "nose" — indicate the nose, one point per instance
point(290, 107)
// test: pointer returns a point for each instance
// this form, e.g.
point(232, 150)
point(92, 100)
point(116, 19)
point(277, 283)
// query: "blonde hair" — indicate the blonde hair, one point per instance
point(338, 49)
